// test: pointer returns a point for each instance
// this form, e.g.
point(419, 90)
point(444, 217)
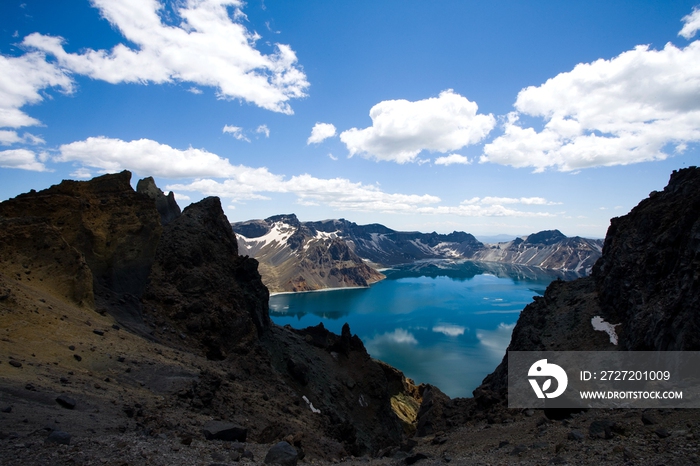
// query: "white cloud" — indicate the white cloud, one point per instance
point(332, 157)
point(491, 207)
point(12, 137)
point(263, 129)
point(321, 132)
point(401, 129)
point(146, 157)
point(195, 90)
point(338, 193)
point(21, 158)
point(620, 111)
point(81, 172)
point(691, 24)
point(209, 47)
point(452, 159)
point(474, 210)
point(21, 79)
point(150, 158)
point(449, 330)
point(9, 137)
point(509, 200)
point(236, 132)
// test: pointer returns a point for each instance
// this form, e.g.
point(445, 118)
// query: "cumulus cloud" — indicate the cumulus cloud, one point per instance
point(146, 157)
point(239, 183)
point(320, 132)
point(338, 193)
point(452, 159)
point(21, 79)
point(236, 132)
point(620, 111)
point(21, 158)
point(401, 129)
point(691, 24)
point(204, 45)
point(82, 173)
point(490, 207)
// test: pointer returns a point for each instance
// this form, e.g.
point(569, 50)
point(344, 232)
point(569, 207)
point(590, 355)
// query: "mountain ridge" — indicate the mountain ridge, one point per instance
point(280, 244)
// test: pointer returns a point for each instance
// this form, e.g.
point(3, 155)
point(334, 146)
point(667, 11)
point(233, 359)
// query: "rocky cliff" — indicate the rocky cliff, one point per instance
point(113, 299)
point(646, 281)
point(298, 256)
point(114, 229)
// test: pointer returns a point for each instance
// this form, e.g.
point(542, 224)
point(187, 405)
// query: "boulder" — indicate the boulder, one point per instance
point(219, 430)
point(282, 454)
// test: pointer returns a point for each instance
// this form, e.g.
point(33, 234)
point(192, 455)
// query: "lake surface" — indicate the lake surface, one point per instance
point(445, 323)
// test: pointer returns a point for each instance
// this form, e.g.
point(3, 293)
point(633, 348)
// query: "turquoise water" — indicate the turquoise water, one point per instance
point(443, 323)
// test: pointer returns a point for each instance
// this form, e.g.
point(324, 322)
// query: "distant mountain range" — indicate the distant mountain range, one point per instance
point(302, 256)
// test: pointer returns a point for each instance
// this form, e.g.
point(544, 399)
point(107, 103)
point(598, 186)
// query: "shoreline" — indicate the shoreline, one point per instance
point(276, 293)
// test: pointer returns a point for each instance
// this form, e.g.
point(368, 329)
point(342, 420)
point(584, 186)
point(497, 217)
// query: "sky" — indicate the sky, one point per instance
point(498, 117)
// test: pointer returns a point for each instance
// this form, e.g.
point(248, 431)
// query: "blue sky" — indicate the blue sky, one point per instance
point(487, 117)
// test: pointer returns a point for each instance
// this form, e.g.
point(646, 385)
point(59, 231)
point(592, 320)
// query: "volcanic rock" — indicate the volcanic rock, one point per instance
point(66, 401)
point(202, 287)
point(218, 430)
point(166, 205)
point(282, 454)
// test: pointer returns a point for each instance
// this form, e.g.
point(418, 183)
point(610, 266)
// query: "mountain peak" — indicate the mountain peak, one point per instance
point(545, 237)
point(290, 219)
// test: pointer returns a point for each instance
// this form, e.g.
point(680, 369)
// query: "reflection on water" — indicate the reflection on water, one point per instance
point(440, 322)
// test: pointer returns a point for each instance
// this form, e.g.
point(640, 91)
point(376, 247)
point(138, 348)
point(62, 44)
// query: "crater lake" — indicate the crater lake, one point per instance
point(446, 323)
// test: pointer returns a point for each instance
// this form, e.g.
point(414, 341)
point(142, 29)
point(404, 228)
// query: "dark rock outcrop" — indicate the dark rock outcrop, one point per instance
point(350, 390)
point(649, 275)
point(646, 281)
point(166, 205)
point(201, 286)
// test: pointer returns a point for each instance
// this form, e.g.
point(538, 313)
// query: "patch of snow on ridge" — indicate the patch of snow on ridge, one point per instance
point(324, 235)
point(280, 232)
point(602, 326)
